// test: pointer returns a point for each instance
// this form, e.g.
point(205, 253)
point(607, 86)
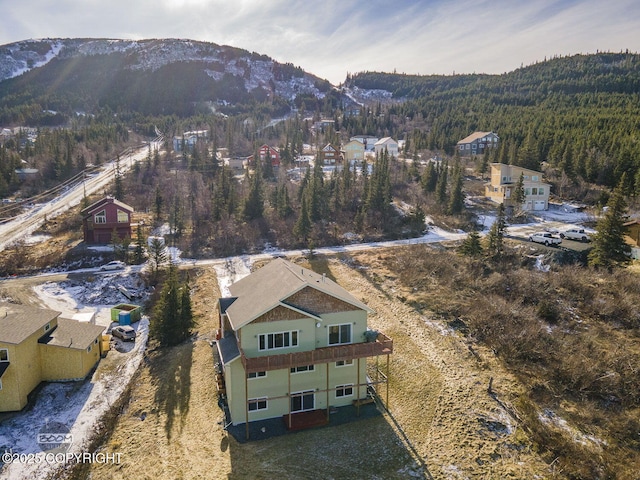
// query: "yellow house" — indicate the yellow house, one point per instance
point(36, 346)
point(504, 179)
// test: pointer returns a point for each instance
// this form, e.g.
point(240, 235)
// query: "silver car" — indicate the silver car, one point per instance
point(124, 332)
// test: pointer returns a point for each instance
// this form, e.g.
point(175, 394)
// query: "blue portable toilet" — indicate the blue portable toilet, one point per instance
point(124, 318)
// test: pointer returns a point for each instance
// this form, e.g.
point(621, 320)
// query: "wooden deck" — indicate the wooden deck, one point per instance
point(303, 420)
point(382, 346)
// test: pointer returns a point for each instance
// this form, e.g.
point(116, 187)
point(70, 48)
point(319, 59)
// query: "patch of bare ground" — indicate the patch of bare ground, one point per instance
point(171, 426)
point(439, 385)
point(442, 423)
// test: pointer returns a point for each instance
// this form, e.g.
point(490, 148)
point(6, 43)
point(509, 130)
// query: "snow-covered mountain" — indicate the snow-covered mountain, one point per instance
point(92, 69)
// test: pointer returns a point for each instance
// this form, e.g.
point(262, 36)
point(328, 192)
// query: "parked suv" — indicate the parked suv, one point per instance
point(124, 332)
point(115, 265)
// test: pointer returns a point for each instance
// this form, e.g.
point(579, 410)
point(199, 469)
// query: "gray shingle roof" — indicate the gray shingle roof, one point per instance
point(473, 136)
point(18, 322)
point(265, 288)
point(73, 334)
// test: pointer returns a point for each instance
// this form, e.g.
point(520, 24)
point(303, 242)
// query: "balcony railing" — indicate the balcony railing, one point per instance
point(382, 346)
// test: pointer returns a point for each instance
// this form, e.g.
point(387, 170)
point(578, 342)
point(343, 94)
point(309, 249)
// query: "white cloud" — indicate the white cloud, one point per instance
point(334, 37)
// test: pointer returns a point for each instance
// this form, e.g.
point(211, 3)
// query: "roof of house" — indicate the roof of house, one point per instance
point(328, 147)
point(17, 322)
point(100, 203)
point(635, 221)
point(271, 285)
point(474, 136)
point(72, 334)
point(385, 140)
point(275, 149)
point(228, 348)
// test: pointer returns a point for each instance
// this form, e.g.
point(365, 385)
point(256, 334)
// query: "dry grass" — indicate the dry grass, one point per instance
point(570, 336)
point(443, 423)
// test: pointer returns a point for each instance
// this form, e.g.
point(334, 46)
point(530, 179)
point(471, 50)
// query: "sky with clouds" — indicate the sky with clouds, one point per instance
point(333, 37)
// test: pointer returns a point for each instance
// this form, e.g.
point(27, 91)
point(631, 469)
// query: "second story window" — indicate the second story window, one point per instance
point(123, 217)
point(100, 217)
point(270, 341)
point(4, 355)
point(303, 368)
point(339, 334)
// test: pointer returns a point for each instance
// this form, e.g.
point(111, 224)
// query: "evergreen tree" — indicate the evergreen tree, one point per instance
point(165, 324)
point(518, 193)
point(139, 251)
point(186, 320)
point(267, 170)
point(471, 245)
point(495, 239)
point(441, 186)
point(254, 204)
point(456, 199)
point(176, 218)
point(609, 247)
point(283, 203)
point(159, 200)
point(429, 179)
point(483, 164)
point(302, 228)
point(157, 256)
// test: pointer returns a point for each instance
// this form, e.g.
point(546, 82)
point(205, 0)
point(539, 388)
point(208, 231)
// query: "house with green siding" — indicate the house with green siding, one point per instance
point(292, 341)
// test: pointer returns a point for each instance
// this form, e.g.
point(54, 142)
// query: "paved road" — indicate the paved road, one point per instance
point(26, 223)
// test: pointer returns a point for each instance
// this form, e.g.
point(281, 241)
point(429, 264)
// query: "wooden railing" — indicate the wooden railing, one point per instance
point(382, 346)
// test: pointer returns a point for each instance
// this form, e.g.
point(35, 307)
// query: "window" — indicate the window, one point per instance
point(344, 363)
point(47, 327)
point(95, 342)
point(527, 192)
point(4, 355)
point(467, 146)
point(100, 217)
point(303, 401)
point(0, 384)
point(256, 374)
point(271, 341)
point(534, 178)
point(123, 217)
point(540, 191)
point(257, 404)
point(89, 348)
point(474, 146)
point(344, 390)
point(534, 191)
point(304, 368)
point(339, 334)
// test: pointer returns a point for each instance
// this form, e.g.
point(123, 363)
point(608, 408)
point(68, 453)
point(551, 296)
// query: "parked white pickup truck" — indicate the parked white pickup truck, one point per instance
point(546, 238)
point(576, 234)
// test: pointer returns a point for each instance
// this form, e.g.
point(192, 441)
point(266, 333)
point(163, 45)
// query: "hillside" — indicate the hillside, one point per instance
point(151, 77)
point(577, 115)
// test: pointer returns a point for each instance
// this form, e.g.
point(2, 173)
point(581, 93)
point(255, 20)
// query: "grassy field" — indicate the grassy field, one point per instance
point(443, 423)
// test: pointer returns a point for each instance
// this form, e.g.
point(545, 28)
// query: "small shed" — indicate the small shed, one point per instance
point(126, 314)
